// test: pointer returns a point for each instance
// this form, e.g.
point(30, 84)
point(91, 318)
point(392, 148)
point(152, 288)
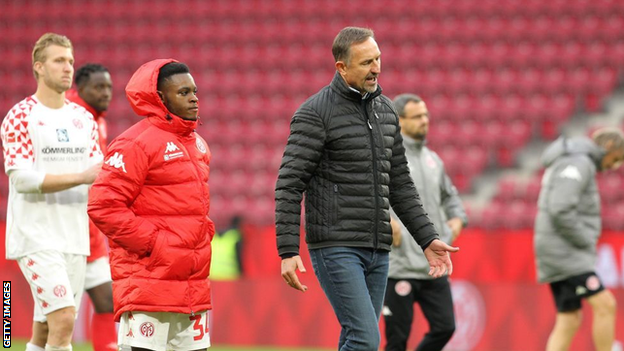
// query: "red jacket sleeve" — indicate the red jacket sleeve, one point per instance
point(112, 194)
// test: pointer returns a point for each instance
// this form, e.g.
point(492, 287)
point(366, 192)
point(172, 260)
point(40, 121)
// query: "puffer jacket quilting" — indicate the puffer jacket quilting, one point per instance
point(346, 153)
point(151, 200)
point(568, 224)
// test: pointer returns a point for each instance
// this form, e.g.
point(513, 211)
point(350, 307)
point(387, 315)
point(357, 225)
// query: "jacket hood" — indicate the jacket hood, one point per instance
point(72, 95)
point(570, 146)
point(341, 87)
point(142, 94)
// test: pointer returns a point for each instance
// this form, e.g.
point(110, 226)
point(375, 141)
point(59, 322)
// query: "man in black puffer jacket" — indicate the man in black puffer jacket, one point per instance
point(345, 152)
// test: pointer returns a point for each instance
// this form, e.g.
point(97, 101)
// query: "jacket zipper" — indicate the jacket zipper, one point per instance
point(197, 174)
point(199, 179)
point(425, 193)
point(334, 212)
point(375, 181)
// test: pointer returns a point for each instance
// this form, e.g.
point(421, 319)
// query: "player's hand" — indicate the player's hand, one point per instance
point(289, 266)
point(456, 226)
point(89, 175)
point(396, 232)
point(437, 253)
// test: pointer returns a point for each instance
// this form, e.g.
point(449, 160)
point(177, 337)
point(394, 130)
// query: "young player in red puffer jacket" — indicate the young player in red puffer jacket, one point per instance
point(152, 201)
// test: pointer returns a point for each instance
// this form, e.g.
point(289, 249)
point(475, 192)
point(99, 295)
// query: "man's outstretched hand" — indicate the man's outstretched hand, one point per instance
point(289, 274)
point(437, 253)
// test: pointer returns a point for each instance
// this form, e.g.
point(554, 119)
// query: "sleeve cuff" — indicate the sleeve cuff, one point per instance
point(426, 245)
point(288, 255)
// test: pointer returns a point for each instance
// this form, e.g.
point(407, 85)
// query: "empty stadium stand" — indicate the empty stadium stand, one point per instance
point(495, 75)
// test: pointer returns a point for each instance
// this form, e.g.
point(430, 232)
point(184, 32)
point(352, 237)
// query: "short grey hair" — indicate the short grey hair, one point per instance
point(347, 37)
point(401, 100)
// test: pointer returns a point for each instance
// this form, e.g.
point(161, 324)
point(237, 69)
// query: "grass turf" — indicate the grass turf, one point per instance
point(21, 345)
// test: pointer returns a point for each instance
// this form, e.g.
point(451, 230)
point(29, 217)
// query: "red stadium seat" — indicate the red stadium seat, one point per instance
point(506, 190)
point(494, 74)
point(613, 216)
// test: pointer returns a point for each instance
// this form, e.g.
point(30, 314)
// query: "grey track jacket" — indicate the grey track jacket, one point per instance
point(568, 222)
point(440, 200)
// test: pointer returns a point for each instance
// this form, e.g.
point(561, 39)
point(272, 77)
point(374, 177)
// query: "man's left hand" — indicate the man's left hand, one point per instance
point(437, 253)
point(456, 226)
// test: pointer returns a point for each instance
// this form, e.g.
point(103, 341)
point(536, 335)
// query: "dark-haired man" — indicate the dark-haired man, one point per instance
point(151, 200)
point(345, 152)
point(94, 91)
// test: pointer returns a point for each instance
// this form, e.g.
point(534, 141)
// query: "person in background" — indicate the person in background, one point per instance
point(152, 201)
point(408, 281)
point(51, 154)
point(567, 228)
point(345, 152)
point(226, 262)
point(94, 91)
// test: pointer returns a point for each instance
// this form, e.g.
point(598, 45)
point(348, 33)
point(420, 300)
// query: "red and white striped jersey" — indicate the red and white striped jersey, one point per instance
point(51, 141)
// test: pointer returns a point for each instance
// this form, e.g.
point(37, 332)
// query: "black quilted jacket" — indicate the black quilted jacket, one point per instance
point(345, 152)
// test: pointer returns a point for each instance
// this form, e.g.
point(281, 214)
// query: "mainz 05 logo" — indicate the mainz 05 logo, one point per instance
point(147, 329)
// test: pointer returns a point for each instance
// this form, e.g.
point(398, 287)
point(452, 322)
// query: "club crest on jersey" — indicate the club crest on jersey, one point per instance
point(172, 151)
point(200, 145)
point(62, 135)
point(78, 123)
point(431, 162)
point(116, 161)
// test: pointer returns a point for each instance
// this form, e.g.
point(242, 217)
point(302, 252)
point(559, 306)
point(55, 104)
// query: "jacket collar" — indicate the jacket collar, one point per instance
point(173, 123)
point(339, 85)
point(411, 143)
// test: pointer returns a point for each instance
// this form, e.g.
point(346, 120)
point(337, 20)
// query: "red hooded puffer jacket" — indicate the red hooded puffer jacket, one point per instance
point(151, 200)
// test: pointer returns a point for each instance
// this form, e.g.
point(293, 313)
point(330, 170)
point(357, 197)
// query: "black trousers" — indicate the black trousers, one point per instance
point(436, 303)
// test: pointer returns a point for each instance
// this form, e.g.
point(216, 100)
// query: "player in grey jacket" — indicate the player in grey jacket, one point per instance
point(408, 278)
point(567, 228)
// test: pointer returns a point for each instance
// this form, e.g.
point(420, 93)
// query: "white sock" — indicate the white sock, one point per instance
point(58, 348)
point(33, 347)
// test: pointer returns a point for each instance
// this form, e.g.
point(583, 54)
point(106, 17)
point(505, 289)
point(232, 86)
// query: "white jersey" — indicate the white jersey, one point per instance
point(51, 141)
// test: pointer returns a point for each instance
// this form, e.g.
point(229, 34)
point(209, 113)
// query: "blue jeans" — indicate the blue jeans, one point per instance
point(354, 280)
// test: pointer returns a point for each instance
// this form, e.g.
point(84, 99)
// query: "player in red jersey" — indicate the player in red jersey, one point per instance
point(94, 91)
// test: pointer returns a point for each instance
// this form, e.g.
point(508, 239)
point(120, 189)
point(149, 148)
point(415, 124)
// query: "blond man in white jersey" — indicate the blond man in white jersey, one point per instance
point(51, 154)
